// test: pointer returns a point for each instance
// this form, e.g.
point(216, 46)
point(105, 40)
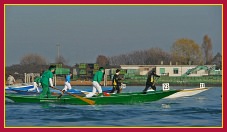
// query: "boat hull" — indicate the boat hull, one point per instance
point(187, 92)
point(123, 98)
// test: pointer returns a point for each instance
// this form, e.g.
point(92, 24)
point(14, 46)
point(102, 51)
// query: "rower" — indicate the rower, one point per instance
point(150, 81)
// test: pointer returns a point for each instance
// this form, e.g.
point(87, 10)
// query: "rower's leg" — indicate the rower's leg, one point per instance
point(118, 89)
point(44, 91)
point(153, 87)
point(146, 88)
point(93, 90)
point(114, 88)
point(48, 93)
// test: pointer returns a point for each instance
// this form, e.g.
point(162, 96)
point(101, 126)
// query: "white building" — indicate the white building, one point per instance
point(181, 70)
point(170, 70)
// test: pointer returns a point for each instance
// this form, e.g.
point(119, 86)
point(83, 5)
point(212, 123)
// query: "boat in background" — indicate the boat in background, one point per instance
point(22, 86)
point(19, 85)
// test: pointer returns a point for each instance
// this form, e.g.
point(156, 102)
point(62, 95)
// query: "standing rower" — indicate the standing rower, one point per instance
point(46, 81)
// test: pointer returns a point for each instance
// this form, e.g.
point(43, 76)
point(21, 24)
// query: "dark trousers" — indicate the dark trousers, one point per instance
point(116, 87)
point(149, 84)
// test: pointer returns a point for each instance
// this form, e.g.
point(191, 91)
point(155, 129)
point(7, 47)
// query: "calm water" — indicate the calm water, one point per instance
point(201, 110)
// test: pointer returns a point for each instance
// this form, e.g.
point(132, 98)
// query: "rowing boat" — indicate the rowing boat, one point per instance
point(122, 98)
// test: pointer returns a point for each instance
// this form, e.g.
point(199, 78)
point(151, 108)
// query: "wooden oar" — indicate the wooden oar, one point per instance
point(55, 94)
point(91, 102)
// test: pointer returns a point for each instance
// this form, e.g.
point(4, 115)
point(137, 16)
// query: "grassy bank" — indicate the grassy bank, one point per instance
point(181, 81)
point(173, 81)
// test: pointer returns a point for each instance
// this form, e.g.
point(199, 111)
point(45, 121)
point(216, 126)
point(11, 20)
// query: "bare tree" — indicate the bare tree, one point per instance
point(207, 49)
point(102, 61)
point(156, 55)
point(141, 57)
point(34, 59)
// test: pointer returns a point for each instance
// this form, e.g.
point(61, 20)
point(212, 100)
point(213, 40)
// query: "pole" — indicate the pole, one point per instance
point(25, 78)
point(58, 45)
point(105, 78)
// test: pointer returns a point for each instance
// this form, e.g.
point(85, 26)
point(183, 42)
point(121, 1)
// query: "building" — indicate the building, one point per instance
point(184, 70)
point(169, 70)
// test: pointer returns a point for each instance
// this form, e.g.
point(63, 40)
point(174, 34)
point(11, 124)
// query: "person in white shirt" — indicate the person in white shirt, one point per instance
point(10, 80)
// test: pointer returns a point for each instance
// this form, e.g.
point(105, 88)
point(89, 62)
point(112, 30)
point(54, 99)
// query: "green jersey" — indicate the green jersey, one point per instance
point(98, 76)
point(37, 80)
point(46, 76)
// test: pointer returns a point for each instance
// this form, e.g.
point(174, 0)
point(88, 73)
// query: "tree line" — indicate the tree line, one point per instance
point(184, 51)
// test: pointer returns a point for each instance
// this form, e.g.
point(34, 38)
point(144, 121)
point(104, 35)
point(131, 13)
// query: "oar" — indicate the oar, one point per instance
point(91, 102)
point(155, 80)
point(53, 93)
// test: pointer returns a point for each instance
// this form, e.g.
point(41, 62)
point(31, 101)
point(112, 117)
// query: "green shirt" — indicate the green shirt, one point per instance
point(46, 76)
point(37, 80)
point(98, 76)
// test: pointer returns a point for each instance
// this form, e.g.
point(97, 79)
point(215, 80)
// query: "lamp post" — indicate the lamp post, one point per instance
point(58, 45)
point(55, 77)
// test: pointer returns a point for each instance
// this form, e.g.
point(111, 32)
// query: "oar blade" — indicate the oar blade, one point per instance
point(91, 102)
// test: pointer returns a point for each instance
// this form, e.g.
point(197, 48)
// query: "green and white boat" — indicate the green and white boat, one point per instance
point(107, 99)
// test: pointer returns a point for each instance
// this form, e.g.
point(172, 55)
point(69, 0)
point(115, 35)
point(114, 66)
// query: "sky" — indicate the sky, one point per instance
point(84, 32)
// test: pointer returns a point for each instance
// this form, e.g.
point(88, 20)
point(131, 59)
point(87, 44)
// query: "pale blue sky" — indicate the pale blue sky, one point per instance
point(84, 32)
